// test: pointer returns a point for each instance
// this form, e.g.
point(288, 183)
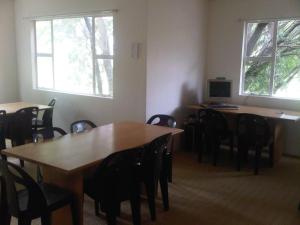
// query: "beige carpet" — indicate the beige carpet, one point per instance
point(205, 195)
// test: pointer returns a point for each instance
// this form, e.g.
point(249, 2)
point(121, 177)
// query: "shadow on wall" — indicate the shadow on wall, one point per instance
point(188, 96)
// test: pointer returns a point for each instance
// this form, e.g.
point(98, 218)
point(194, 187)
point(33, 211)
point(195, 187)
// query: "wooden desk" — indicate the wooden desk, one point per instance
point(11, 108)
point(275, 116)
point(64, 160)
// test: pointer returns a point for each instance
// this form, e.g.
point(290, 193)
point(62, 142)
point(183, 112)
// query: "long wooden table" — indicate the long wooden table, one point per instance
point(11, 108)
point(65, 160)
point(275, 116)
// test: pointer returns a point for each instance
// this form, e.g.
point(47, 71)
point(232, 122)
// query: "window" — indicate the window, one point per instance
point(271, 59)
point(75, 55)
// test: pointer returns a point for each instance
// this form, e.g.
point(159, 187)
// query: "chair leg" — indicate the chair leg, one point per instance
point(96, 208)
point(75, 218)
point(136, 209)
point(46, 219)
point(22, 163)
point(4, 214)
point(239, 158)
point(111, 219)
point(257, 160)
point(271, 156)
point(164, 191)
point(216, 147)
point(150, 190)
point(231, 143)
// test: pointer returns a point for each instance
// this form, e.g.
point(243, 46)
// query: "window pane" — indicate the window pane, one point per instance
point(288, 33)
point(73, 55)
point(257, 77)
point(43, 37)
point(45, 72)
point(259, 39)
point(104, 35)
point(287, 77)
point(104, 78)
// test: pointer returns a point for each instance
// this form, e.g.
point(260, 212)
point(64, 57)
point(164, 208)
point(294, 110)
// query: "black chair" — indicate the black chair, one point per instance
point(213, 130)
point(82, 126)
point(46, 134)
point(4, 217)
point(115, 181)
point(34, 200)
point(20, 127)
point(47, 119)
point(166, 121)
point(253, 133)
point(151, 171)
point(3, 129)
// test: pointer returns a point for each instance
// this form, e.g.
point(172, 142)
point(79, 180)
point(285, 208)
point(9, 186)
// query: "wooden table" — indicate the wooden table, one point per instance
point(276, 116)
point(11, 108)
point(66, 159)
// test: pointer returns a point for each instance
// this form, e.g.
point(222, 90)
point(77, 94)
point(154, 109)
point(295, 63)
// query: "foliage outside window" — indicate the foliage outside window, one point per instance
point(271, 59)
point(75, 55)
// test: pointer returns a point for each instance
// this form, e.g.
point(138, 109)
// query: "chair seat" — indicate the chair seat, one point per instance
point(55, 197)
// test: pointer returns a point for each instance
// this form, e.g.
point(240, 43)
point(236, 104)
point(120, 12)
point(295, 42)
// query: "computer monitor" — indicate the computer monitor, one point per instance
point(219, 89)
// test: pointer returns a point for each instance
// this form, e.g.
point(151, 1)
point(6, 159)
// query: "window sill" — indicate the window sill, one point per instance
point(269, 97)
point(71, 93)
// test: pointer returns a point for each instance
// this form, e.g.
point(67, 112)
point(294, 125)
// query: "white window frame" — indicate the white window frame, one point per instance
point(95, 56)
point(272, 59)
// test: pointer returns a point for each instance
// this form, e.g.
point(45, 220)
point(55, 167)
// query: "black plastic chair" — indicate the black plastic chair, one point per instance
point(4, 217)
point(35, 200)
point(82, 126)
point(46, 134)
point(47, 119)
point(3, 129)
point(213, 129)
point(151, 172)
point(166, 121)
point(20, 127)
point(115, 181)
point(253, 133)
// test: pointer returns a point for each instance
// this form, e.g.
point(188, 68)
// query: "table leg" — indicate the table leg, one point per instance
point(72, 182)
point(278, 142)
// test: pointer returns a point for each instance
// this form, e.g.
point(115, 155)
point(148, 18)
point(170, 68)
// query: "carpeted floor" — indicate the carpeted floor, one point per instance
point(205, 195)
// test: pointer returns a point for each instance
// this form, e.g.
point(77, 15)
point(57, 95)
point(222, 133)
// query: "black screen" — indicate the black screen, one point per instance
point(220, 89)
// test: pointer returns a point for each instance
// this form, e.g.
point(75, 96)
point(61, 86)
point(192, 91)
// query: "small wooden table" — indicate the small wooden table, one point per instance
point(276, 116)
point(64, 160)
point(11, 108)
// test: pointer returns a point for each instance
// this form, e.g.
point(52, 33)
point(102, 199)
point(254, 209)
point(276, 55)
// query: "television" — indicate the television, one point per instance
point(219, 88)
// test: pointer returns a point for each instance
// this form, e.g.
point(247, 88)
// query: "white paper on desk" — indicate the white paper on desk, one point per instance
point(289, 117)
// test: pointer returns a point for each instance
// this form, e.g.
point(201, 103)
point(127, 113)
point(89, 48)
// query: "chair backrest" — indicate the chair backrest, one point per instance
point(81, 126)
point(162, 120)
point(48, 114)
point(116, 175)
point(3, 128)
point(213, 122)
point(253, 129)
point(49, 133)
point(13, 175)
point(52, 102)
point(20, 126)
point(151, 158)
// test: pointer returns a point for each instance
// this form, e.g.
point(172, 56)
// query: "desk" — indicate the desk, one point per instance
point(276, 116)
point(11, 108)
point(64, 160)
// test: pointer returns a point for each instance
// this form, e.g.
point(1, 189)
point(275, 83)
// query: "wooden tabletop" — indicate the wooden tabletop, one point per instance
point(15, 106)
point(281, 114)
point(74, 152)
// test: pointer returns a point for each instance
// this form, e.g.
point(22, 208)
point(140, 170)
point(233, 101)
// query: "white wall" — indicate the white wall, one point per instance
point(176, 44)
point(225, 45)
point(8, 60)
point(129, 75)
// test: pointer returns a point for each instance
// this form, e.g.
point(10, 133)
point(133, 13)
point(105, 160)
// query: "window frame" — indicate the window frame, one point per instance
point(94, 54)
point(272, 59)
